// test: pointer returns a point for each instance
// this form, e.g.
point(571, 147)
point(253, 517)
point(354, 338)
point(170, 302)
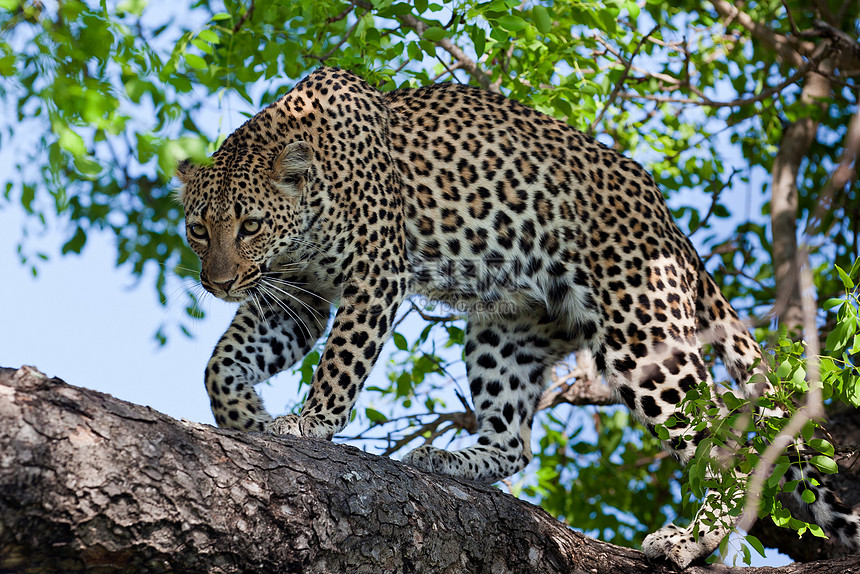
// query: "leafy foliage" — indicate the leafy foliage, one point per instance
point(102, 99)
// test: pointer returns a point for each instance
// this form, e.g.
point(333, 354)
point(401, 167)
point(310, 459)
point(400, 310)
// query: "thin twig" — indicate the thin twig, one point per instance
point(435, 318)
point(621, 80)
point(341, 16)
point(789, 49)
point(714, 197)
point(343, 40)
point(790, 17)
point(704, 101)
point(448, 70)
point(245, 17)
point(465, 421)
point(468, 64)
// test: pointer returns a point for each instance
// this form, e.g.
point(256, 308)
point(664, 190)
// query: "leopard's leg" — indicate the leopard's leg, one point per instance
point(507, 362)
point(361, 326)
point(652, 376)
point(268, 334)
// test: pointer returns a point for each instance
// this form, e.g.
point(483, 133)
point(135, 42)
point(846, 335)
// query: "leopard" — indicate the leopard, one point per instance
point(341, 196)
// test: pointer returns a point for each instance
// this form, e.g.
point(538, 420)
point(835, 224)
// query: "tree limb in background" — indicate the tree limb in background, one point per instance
point(789, 50)
point(624, 73)
point(796, 141)
point(467, 63)
point(581, 385)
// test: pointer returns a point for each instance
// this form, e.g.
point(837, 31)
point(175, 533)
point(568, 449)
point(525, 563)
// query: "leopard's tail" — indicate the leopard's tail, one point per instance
point(719, 325)
point(827, 510)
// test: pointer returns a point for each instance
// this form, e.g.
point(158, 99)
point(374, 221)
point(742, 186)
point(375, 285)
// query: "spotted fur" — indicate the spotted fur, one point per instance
point(550, 241)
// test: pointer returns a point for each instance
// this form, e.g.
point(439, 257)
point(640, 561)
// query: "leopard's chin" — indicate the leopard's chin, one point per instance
point(234, 298)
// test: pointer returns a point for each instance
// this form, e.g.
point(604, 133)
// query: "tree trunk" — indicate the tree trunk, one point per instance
point(796, 140)
point(89, 483)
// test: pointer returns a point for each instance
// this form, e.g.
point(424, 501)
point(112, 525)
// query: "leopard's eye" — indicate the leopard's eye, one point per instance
point(250, 226)
point(198, 231)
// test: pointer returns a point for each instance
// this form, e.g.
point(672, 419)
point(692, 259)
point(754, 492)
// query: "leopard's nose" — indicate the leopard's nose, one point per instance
point(225, 285)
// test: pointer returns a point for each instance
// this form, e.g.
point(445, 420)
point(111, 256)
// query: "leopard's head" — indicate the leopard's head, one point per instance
point(243, 211)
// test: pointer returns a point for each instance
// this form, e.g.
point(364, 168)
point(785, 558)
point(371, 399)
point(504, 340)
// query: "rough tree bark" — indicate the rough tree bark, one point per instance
point(89, 483)
point(796, 140)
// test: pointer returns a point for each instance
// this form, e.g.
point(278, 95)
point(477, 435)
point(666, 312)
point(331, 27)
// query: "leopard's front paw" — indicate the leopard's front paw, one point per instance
point(679, 545)
point(295, 425)
point(432, 459)
point(287, 424)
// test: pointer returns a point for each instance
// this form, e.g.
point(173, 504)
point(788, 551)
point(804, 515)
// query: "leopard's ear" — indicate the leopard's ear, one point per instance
point(185, 170)
point(290, 168)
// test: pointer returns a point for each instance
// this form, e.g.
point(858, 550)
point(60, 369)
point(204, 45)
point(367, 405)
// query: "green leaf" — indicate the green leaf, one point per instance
point(208, 36)
point(822, 446)
point(135, 7)
point(838, 338)
point(756, 544)
point(404, 385)
point(398, 9)
point(511, 23)
point(778, 472)
point(76, 243)
point(375, 416)
point(479, 39)
point(542, 19)
point(28, 194)
point(808, 496)
point(632, 9)
point(846, 280)
point(195, 61)
point(434, 34)
point(855, 348)
point(400, 341)
point(70, 141)
point(824, 463)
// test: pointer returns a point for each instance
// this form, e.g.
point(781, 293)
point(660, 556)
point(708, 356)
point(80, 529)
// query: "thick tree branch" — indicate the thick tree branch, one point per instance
point(88, 482)
point(581, 385)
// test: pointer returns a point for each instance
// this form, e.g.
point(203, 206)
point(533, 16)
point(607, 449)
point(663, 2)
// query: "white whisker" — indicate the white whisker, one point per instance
point(311, 311)
point(257, 303)
point(286, 309)
point(296, 286)
point(317, 246)
point(168, 265)
point(314, 312)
